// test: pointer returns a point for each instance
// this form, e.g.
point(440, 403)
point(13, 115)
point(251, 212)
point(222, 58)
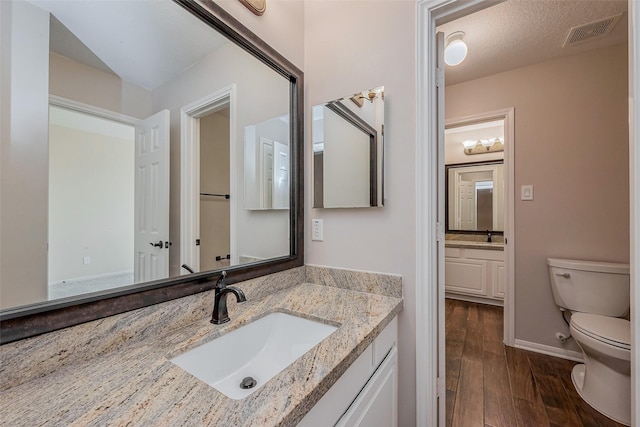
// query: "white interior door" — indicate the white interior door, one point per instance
point(467, 205)
point(280, 175)
point(152, 198)
point(266, 181)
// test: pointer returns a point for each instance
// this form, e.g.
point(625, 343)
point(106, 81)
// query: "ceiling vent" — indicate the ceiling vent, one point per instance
point(590, 31)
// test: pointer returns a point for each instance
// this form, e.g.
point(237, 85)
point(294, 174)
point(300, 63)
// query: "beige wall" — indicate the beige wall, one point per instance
point(78, 82)
point(341, 58)
point(91, 208)
point(571, 144)
point(281, 26)
point(214, 178)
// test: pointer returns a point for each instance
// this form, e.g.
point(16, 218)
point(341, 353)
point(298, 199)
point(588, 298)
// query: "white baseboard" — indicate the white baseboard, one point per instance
point(576, 356)
point(86, 278)
point(471, 298)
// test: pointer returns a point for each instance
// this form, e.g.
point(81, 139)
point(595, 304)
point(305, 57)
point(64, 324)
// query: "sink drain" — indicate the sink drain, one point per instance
point(248, 382)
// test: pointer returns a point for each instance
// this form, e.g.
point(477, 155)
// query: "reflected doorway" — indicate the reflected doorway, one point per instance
point(91, 203)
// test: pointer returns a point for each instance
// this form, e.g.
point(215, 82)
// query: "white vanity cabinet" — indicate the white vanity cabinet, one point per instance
point(475, 274)
point(366, 394)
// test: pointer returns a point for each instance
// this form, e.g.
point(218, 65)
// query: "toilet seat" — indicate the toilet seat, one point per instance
point(608, 330)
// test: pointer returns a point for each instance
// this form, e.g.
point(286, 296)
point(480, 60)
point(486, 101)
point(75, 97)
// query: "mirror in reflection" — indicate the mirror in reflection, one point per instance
point(124, 158)
point(475, 197)
point(348, 151)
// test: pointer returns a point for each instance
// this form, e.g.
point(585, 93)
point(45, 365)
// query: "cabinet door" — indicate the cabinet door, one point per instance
point(466, 276)
point(377, 403)
point(498, 279)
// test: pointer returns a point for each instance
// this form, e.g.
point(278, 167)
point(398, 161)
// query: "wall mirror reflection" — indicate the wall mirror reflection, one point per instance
point(474, 157)
point(348, 151)
point(125, 163)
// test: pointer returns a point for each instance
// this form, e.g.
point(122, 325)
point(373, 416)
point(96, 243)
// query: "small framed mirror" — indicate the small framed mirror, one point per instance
point(348, 151)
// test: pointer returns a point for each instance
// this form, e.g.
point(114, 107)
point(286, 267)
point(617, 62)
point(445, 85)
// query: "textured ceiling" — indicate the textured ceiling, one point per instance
point(517, 33)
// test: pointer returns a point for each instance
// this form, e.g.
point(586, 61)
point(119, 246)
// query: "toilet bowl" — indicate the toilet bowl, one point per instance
point(604, 380)
point(597, 295)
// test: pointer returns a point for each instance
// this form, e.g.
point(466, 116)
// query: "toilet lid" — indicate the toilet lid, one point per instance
point(610, 330)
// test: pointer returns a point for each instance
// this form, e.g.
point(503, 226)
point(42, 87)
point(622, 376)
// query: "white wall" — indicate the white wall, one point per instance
point(24, 168)
point(346, 163)
point(91, 207)
point(256, 85)
point(343, 57)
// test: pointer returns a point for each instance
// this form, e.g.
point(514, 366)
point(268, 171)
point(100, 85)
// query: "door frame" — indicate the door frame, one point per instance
point(429, 340)
point(507, 115)
point(190, 173)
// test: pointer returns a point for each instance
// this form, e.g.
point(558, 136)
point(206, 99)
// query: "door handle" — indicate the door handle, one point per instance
point(156, 245)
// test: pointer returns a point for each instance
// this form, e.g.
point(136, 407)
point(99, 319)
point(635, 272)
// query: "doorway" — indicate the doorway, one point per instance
point(429, 183)
point(91, 247)
point(207, 198)
point(214, 236)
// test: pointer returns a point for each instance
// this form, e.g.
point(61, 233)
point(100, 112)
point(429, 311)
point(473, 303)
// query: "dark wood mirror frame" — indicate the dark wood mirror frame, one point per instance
point(446, 199)
point(27, 321)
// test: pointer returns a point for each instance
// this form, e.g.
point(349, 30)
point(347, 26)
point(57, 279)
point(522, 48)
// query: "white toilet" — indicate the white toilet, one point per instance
point(597, 295)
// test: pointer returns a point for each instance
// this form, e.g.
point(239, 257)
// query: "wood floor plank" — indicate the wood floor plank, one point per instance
point(450, 402)
point(529, 414)
point(498, 403)
point(454, 348)
point(527, 401)
point(557, 403)
point(468, 410)
point(493, 324)
point(522, 382)
point(519, 388)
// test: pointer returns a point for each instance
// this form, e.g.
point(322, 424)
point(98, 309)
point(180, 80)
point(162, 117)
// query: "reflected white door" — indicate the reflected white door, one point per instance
point(467, 204)
point(280, 175)
point(152, 198)
point(266, 181)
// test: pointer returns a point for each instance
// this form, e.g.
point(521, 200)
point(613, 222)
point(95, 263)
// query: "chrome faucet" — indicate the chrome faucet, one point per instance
point(220, 314)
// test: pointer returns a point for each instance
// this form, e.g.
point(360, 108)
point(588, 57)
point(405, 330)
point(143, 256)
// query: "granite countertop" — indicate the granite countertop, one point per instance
point(463, 244)
point(138, 385)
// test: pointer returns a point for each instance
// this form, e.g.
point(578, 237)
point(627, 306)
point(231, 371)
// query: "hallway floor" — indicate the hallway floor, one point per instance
point(490, 384)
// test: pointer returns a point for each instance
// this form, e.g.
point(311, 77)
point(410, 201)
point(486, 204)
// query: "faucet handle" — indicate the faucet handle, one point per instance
point(220, 282)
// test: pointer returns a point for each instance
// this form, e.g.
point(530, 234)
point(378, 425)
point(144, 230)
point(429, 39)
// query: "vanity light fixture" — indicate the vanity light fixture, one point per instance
point(484, 145)
point(370, 95)
point(456, 50)
point(256, 6)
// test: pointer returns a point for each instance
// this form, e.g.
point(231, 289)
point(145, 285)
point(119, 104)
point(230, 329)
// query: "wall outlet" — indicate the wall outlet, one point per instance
point(86, 260)
point(317, 230)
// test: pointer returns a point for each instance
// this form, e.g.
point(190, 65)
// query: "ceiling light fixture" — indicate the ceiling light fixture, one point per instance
point(456, 49)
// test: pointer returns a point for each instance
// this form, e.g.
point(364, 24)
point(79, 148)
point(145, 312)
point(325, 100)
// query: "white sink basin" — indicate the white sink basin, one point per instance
point(260, 349)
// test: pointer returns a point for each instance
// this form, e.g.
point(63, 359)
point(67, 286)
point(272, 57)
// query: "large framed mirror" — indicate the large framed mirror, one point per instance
point(123, 158)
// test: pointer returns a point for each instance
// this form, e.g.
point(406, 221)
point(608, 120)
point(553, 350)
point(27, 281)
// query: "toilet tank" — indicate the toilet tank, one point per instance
point(590, 286)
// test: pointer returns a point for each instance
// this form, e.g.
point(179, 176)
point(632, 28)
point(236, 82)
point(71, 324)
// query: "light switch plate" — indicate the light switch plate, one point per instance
point(526, 192)
point(317, 231)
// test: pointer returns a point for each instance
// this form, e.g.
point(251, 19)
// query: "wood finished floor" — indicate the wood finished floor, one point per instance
point(490, 384)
